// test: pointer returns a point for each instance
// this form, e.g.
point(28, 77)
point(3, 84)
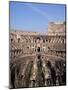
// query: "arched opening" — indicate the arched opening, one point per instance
point(18, 40)
point(11, 40)
point(39, 56)
point(38, 38)
point(38, 49)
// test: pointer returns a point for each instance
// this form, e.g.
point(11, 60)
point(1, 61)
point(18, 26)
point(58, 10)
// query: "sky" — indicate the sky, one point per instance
point(34, 16)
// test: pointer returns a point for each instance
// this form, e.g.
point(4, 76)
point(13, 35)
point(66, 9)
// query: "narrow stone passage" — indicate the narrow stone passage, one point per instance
point(40, 75)
point(37, 72)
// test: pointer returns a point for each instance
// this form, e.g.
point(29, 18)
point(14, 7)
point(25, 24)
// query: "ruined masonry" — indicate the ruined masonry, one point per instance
point(38, 59)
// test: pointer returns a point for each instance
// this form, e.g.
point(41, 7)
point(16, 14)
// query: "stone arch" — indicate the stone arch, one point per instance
point(18, 40)
point(38, 49)
point(12, 40)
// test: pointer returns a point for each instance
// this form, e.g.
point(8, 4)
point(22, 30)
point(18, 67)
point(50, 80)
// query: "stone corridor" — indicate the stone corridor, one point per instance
point(37, 71)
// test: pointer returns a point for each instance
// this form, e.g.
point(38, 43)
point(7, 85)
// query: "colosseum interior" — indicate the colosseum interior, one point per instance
point(38, 60)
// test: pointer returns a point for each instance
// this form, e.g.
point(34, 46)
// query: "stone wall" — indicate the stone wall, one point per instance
point(37, 59)
point(32, 42)
point(56, 27)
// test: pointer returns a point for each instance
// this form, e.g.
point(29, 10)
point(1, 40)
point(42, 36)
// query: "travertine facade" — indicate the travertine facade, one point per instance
point(56, 27)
